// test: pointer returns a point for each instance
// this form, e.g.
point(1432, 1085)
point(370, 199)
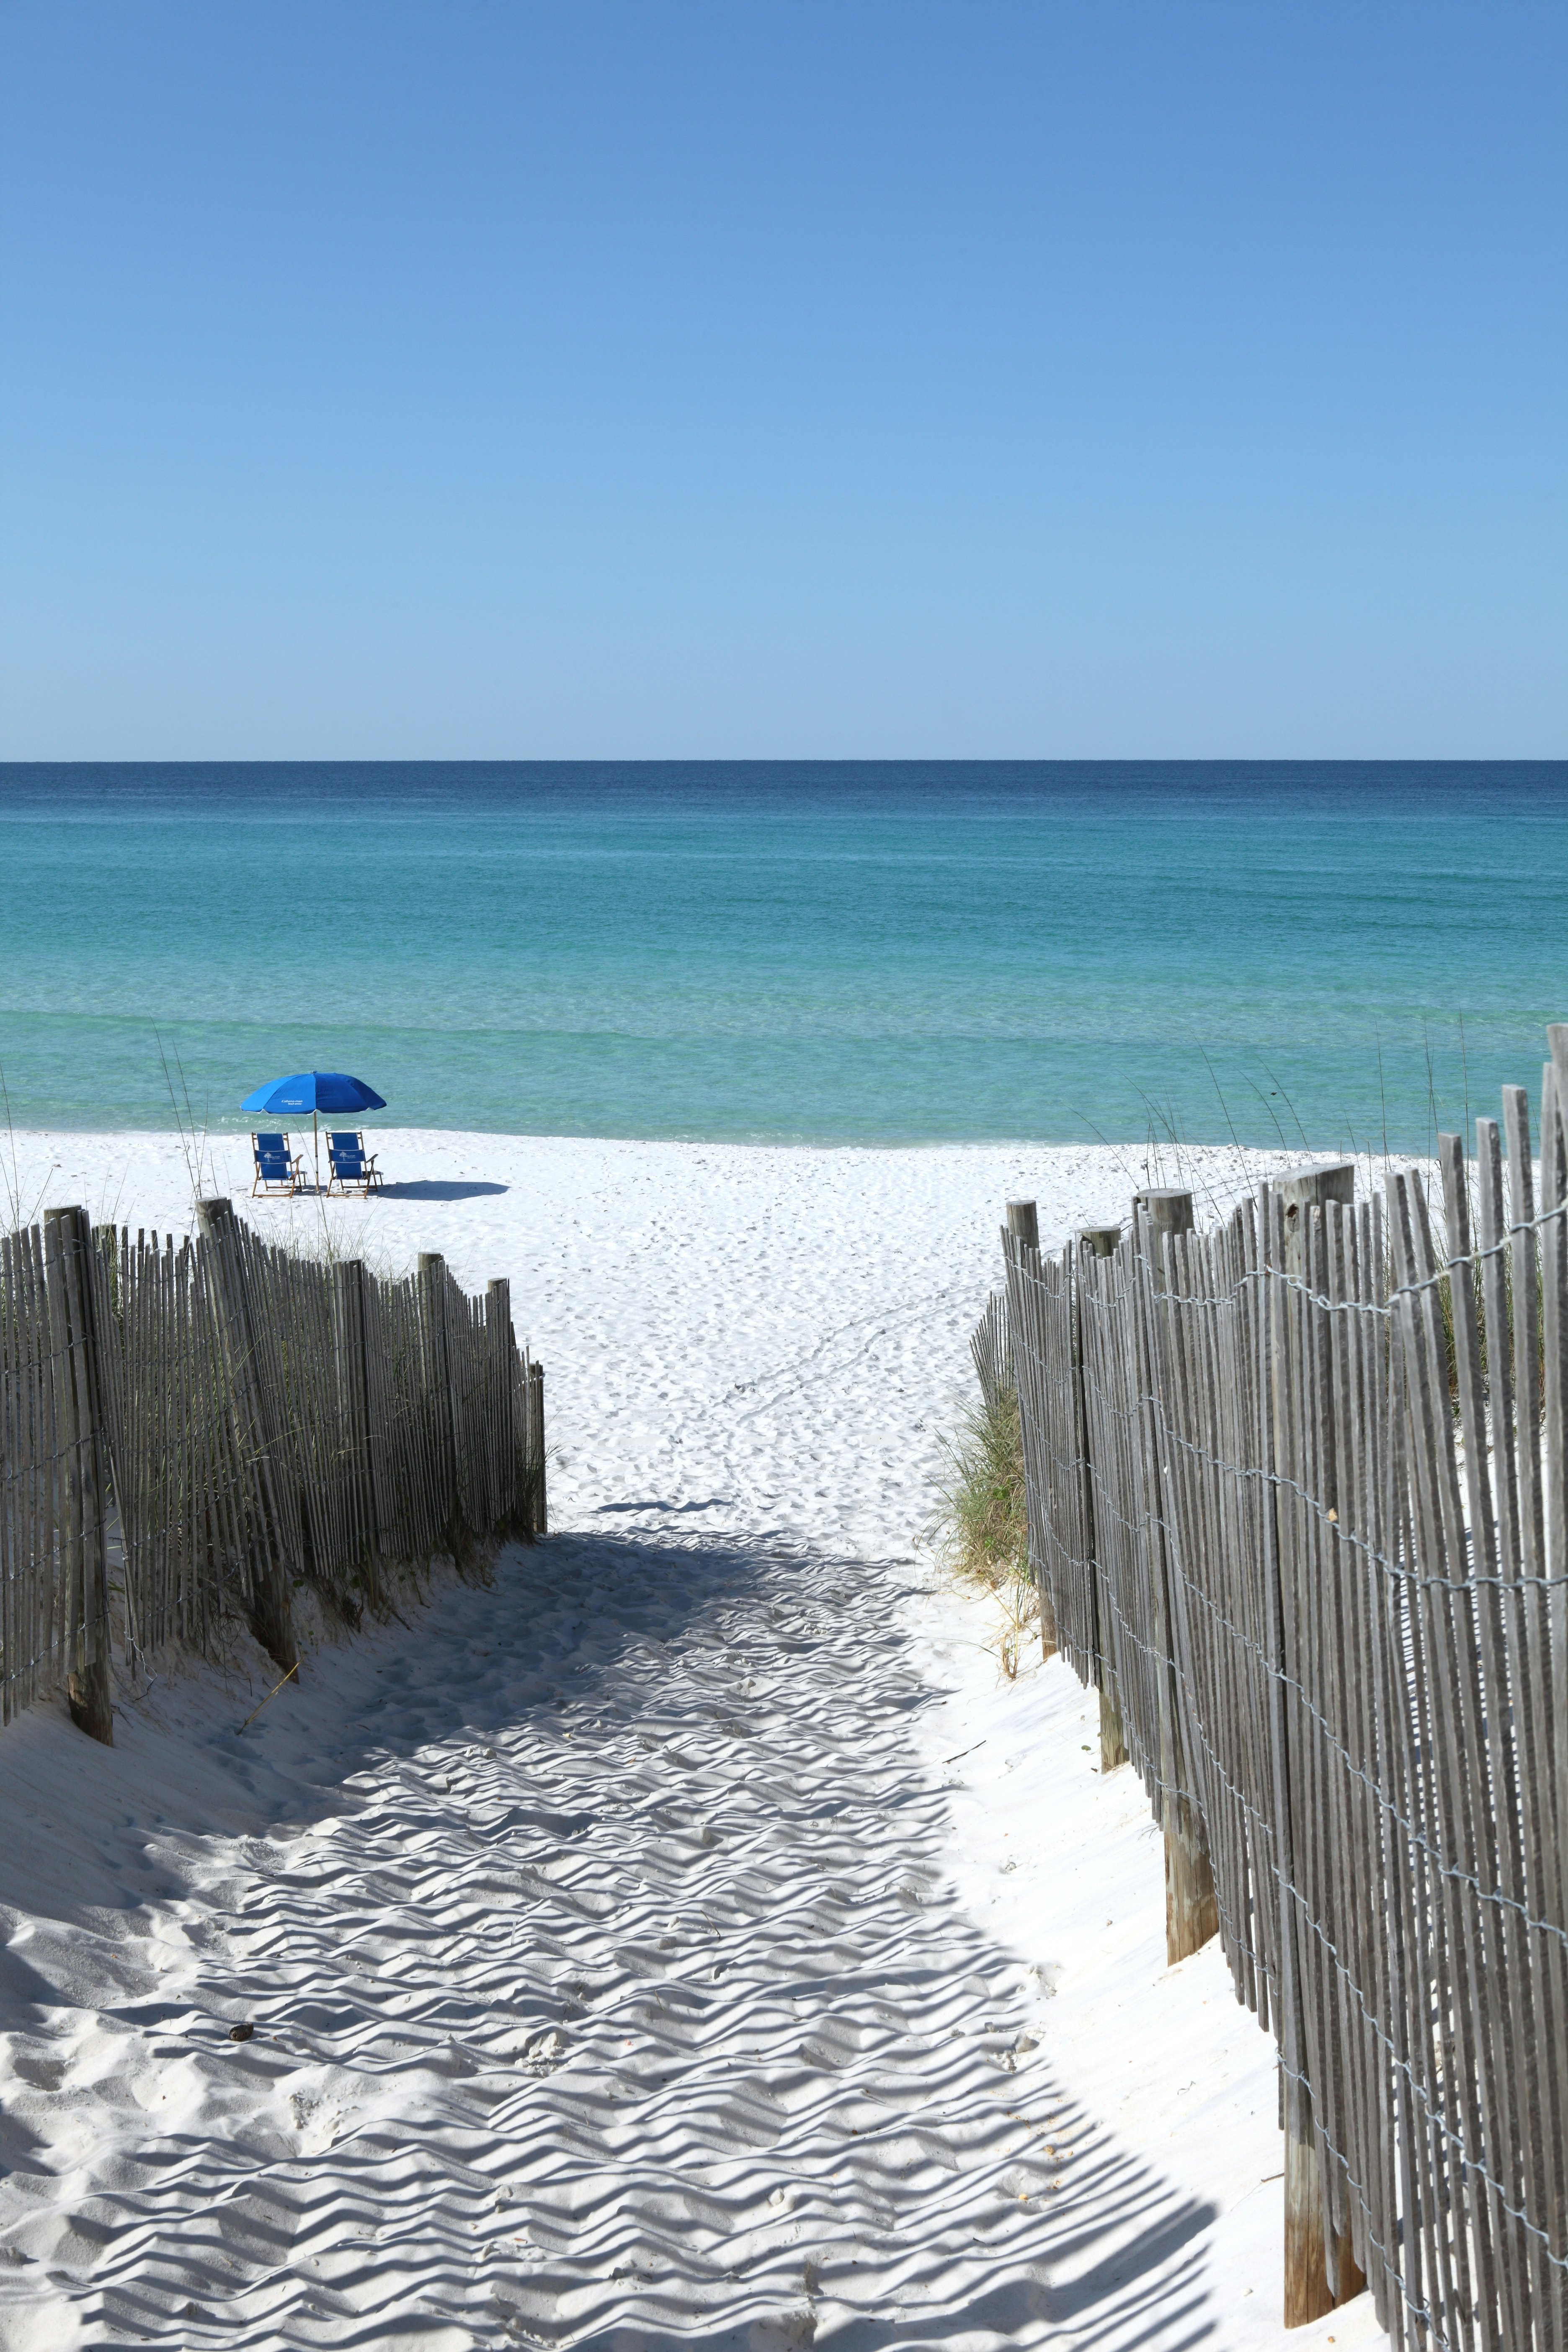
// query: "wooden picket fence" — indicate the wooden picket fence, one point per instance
point(1298, 1503)
point(197, 1428)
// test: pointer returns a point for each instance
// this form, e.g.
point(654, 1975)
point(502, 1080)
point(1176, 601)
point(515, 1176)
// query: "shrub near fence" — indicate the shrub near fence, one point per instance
point(1297, 1493)
point(202, 1425)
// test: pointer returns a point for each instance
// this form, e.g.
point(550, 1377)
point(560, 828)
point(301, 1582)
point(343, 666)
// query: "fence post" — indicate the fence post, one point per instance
point(1023, 1223)
point(1098, 1240)
point(1192, 1914)
point(1023, 1219)
point(1168, 1209)
point(348, 1279)
point(1310, 1187)
point(513, 1484)
point(78, 1392)
point(271, 1616)
point(1309, 2293)
point(538, 1511)
point(1306, 2282)
point(1113, 1733)
point(438, 1375)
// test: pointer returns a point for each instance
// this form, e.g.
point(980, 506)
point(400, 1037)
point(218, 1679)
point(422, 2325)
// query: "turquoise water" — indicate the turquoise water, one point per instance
point(857, 953)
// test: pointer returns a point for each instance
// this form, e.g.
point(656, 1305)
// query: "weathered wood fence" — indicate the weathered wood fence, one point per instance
point(1297, 1500)
point(204, 1426)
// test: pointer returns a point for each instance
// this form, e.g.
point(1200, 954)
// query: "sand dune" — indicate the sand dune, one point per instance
point(685, 1939)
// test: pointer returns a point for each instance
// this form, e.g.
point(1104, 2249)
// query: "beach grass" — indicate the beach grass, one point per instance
point(981, 1529)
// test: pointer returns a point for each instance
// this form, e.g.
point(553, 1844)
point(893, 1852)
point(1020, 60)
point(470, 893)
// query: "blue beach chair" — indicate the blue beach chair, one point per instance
point(276, 1170)
point(351, 1170)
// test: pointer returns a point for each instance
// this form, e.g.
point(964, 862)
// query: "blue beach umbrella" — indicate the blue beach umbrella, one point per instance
point(315, 1091)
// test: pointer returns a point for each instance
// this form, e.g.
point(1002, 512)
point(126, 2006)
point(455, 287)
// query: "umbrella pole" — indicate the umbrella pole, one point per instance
point(316, 1147)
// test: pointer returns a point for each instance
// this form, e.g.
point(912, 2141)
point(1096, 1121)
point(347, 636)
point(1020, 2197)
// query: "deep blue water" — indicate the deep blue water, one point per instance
point(869, 953)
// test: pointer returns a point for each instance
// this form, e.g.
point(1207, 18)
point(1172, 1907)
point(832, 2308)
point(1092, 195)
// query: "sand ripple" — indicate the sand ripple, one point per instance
point(610, 1993)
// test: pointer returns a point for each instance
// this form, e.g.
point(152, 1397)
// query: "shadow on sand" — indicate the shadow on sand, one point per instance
point(433, 1188)
point(988, 2204)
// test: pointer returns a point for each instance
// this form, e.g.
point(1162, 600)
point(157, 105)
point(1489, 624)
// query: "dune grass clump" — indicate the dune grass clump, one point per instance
point(327, 1241)
point(981, 1528)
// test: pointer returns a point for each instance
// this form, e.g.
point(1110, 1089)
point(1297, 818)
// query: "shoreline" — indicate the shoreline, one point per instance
point(239, 1136)
point(226, 1153)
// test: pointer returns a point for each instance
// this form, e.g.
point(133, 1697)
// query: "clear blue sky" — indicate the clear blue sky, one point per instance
point(871, 378)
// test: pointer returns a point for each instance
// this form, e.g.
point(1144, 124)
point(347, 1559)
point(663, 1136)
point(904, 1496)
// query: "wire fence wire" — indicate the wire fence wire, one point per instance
point(1298, 1496)
point(194, 1429)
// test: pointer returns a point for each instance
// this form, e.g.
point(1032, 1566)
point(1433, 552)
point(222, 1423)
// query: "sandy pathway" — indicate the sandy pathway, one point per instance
point(615, 1995)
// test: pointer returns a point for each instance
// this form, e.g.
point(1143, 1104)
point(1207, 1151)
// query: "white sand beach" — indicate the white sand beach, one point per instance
point(691, 1938)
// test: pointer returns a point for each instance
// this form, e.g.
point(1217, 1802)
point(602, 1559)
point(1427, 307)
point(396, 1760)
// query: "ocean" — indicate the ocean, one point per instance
point(904, 952)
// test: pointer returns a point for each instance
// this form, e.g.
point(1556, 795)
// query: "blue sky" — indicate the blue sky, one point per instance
point(873, 378)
